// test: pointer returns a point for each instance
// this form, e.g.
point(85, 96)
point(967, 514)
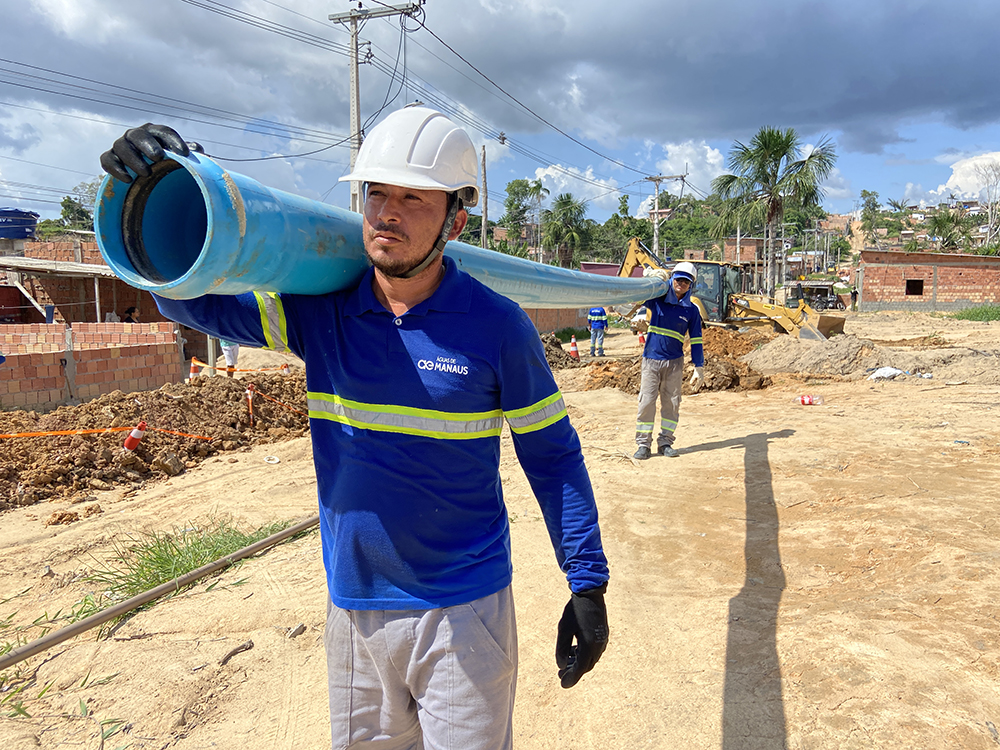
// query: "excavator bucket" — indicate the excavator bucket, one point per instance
point(817, 327)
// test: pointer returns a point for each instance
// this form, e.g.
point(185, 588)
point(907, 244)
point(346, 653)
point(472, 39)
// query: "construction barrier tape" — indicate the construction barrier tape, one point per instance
point(199, 363)
point(281, 403)
point(105, 429)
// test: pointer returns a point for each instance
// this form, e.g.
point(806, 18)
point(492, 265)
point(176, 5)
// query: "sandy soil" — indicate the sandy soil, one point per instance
point(801, 576)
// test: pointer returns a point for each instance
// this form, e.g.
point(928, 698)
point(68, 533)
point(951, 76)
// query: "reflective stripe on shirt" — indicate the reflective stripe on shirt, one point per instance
point(668, 332)
point(272, 319)
point(405, 419)
point(432, 423)
point(537, 416)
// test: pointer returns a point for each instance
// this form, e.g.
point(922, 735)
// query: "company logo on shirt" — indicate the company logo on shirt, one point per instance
point(443, 364)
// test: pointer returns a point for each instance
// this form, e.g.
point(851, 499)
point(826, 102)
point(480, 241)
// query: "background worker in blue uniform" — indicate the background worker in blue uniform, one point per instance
point(410, 376)
point(597, 322)
point(672, 316)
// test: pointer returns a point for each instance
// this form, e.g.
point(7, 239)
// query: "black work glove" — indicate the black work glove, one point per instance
point(585, 618)
point(148, 141)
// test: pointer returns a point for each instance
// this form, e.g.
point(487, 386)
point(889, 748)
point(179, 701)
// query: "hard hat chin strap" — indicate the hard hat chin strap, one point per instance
point(454, 206)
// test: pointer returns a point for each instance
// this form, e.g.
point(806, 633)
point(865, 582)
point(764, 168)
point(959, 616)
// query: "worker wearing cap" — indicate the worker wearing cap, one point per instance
point(673, 316)
point(597, 322)
point(410, 375)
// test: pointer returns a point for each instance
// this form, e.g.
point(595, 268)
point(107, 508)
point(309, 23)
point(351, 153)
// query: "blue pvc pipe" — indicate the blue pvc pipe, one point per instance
point(193, 228)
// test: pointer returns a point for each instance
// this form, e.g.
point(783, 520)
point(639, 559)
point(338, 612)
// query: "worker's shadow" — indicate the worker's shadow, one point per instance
point(753, 711)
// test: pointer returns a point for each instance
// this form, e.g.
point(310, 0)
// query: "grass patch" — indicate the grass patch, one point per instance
point(145, 561)
point(564, 334)
point(139, 563)
point(985, 312)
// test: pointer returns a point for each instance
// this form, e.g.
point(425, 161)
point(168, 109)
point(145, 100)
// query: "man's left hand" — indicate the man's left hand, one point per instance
point(698, 379)
point(586, 619)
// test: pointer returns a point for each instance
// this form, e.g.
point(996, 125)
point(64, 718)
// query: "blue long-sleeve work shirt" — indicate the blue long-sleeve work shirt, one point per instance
point(406, 413)
point(670, 320)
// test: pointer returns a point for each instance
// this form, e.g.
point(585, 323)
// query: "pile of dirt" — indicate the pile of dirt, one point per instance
point(724, 368)
point(557, 357)
point(73, 466)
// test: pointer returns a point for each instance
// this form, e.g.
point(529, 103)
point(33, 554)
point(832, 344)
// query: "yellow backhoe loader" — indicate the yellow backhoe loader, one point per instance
point(721, 296)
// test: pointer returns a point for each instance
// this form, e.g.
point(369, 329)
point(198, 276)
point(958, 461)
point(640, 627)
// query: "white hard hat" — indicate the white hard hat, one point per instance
point(417, 147)
point(686, 270)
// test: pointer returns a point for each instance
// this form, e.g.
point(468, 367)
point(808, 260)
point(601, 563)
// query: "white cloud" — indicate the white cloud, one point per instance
point(837, 187)
point(603, 195)
point(697, 159)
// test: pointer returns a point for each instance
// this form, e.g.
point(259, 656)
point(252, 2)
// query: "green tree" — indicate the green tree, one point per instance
point(538, 193)
point(765, 175)
point(516, 206)
point(563, 227)
point(870, 214)
point(952, 229)
point(472, 234)
point(899, 206)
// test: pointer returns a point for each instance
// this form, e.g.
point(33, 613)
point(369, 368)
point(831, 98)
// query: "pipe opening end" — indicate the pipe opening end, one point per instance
point(164, 223)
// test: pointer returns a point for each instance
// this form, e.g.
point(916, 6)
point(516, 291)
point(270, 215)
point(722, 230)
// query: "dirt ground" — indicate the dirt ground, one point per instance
point(799, 577)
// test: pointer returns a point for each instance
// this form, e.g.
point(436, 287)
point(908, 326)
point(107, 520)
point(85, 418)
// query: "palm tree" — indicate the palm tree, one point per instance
point(537, 192)
point(951, 229)
point(562, 226)
point(765, 175)
point(898, 206)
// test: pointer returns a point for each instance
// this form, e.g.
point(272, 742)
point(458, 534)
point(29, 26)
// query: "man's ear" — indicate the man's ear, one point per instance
point(461, 219)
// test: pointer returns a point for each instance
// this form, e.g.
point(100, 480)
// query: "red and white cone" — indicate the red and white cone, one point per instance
point(135, 436)
point(574, 352)
point(195, 370)
point(285, 369)
point(642, 338)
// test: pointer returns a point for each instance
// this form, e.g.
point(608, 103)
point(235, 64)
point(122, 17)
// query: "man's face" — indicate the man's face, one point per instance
point(401, 226)
point(681, 286)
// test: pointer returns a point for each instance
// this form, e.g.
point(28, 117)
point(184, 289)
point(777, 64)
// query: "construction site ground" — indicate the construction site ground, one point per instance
point(805, 577)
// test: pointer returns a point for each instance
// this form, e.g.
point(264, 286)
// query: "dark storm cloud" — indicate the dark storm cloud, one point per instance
point(679, 70)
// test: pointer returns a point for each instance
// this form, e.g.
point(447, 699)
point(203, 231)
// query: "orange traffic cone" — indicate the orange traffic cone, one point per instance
point(574, 352)
point(285, 370)
point(132, 441)
point(194, 369)
point(642, 338)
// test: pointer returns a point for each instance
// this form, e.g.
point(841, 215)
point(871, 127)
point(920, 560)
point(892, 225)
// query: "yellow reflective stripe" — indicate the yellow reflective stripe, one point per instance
point(272, 320)
point(696, 340)
point(535, 417)
point(643, 426)
point(405, 419)
point(667, 332)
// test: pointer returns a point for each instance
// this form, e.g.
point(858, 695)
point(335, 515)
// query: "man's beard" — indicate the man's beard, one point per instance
point(394, 268)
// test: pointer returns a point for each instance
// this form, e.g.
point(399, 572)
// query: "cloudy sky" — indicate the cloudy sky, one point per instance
point(590, 97)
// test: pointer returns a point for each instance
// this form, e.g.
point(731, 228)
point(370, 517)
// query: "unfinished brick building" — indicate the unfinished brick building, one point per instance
point(896, 280)
point(58, 303)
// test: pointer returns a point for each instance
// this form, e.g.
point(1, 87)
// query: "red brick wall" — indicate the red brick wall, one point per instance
point(39, 337)
point(547, 321)
point(950, 281)
point(38, 381)
point(75, 252)
point(750, 249)
point(105, 357)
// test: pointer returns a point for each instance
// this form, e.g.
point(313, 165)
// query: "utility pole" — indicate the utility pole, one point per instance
point(486, 223)
point(352, 18)
point(655, 213)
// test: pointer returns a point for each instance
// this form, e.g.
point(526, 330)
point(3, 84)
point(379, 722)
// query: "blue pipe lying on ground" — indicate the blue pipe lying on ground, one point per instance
point(193, 228)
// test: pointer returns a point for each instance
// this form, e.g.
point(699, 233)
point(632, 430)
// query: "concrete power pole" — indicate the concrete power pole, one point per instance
point(485, 229)
point(655, 213)
point(351, 19)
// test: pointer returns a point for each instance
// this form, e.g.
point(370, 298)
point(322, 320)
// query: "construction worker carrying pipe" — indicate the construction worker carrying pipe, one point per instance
point(410, 376)
point(673, 316)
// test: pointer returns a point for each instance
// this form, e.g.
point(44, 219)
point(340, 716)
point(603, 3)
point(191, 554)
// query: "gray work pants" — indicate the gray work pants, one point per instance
point(663, 378)
point(597, 337)
point(435, 679)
